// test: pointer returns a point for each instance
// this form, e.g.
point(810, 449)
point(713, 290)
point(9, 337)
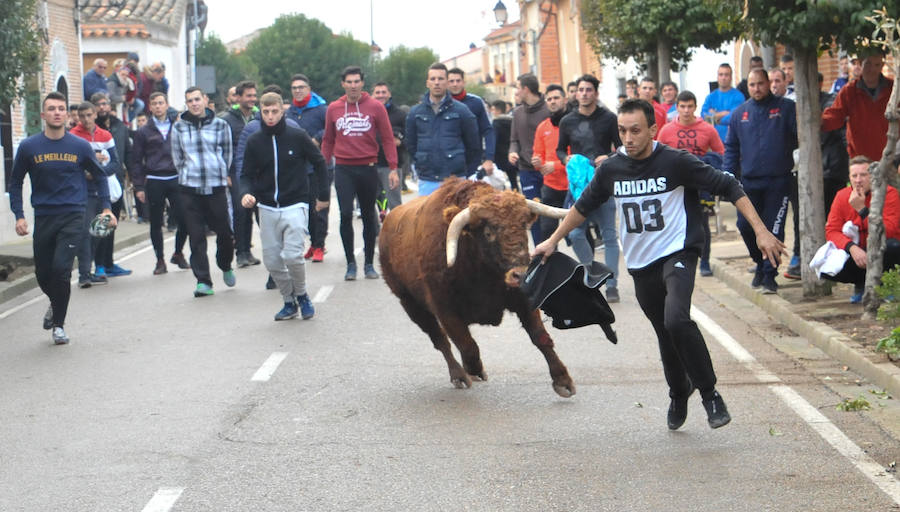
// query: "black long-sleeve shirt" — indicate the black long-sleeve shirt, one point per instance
point(591, 136)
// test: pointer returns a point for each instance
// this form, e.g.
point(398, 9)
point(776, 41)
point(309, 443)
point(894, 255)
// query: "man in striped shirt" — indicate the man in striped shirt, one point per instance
point(201, 152)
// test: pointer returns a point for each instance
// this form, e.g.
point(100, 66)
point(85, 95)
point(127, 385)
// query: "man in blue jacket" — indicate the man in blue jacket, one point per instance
point(308, 109)
point(441, 134)
point(457, 85)
point(762, 136)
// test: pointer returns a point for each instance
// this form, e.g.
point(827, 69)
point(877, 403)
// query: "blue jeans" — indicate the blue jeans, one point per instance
point(605, 218)
point(532, 181)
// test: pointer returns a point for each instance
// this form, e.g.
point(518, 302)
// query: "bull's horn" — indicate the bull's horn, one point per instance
point(545, 210)
point(456, 226)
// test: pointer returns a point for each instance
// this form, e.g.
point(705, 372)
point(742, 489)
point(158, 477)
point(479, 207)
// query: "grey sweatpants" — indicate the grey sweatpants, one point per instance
point(283, 233)
point(393, 194)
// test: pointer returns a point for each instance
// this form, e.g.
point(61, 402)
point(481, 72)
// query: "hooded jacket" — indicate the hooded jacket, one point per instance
point(443, 143)
point(762, 136)
point(151, 153)
point(350, 132)
point(275, 167)
point(311, 117)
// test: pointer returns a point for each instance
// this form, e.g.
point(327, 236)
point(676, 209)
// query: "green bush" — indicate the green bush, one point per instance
point(890, 345)
point(889, 291)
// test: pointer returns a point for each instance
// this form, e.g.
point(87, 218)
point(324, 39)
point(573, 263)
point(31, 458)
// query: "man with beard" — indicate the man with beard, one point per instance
point(545, 159)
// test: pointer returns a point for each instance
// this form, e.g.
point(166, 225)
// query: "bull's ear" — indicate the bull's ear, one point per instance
point(450, 212)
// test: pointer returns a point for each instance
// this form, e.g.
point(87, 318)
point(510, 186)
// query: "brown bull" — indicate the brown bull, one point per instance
point(455, 258)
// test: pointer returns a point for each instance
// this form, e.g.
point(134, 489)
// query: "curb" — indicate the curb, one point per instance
point(21, 285)
point(884, 375)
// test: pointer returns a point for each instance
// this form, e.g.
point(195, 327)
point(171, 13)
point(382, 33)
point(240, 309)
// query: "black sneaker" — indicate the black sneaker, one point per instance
point(98, 279)
point(678, 408)
point(251, 259)
point(793, 272)
point(769, 286)
point(48, 318)
point(242, 260)
point(178, 259)
point(84, 282)
point(716, 412)
point(270, 284)
point(757, 279)
point(612, 295)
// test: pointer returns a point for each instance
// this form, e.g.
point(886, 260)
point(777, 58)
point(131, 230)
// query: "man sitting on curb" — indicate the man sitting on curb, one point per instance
point(851, 205)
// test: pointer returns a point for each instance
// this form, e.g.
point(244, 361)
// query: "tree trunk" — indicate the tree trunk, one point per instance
point(663, 60)
point(882, 175)
point(652, 69)
point(809, 176)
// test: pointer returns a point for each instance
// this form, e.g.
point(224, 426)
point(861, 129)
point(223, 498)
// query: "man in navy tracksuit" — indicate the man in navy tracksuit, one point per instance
point(762, 136)
point(457, 86)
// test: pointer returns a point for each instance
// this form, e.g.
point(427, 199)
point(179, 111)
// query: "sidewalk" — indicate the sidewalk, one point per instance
point(20, 255)
point(806, 317)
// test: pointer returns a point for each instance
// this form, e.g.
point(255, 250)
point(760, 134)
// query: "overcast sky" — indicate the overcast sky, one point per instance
point(446, 28)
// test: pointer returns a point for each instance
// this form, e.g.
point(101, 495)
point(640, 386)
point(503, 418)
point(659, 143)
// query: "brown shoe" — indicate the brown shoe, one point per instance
point(179, 260)
point(160, 267)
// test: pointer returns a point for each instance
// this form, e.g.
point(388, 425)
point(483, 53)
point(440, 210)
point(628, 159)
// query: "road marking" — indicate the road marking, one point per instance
point(268, 368)
point(809, 414)
point(323, 293)
point(22, 306)
point(164, 499)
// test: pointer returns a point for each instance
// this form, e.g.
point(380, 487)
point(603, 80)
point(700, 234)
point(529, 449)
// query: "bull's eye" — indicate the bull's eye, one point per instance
point(489, 234)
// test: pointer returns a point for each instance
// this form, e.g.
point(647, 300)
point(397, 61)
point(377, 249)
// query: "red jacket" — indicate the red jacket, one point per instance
point(866, 124)
point(546, 138)
point(350, 130)
point(841, 212)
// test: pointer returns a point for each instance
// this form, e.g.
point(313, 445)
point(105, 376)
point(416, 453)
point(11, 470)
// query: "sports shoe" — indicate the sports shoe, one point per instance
point(251, 259)
point(100, 271)
point(98, 279)
point(612, 295)
point(48, 318)
point(769, 286)
point(203, 290)
point(178, 259)
point(270, 284)
point(307, 310)
point(795, 261)
point(309, 253)
point(369, 270)
point(160, 267)
point(705, 269)
point(757, 279)
point(318, 254)
point(351, 272)
point(677, 412)
point(84, 282)
point(287, 312)
point(228, 277)
point(117, 271)
point(716, 412)
point(241, 260)
point(793, 272)
point(856, 298)
point(59, 336)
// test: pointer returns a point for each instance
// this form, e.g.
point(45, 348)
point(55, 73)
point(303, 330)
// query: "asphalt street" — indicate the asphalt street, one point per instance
point(167, 402)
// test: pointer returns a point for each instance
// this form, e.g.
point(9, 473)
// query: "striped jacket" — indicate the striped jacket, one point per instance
point(201, 151)
point(101, 142)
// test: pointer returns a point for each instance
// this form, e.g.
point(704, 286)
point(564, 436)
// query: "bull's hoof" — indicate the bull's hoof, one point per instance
point(460, 379)
point(565, 390)
point(482, 375)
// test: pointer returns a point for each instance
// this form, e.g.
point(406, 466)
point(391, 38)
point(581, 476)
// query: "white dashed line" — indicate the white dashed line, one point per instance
point(22, 306)
point(268, 368)
point(322, 294)
point(163, 500)
point(816, 420)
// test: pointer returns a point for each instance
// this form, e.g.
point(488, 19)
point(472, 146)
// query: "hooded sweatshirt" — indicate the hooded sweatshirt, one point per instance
point(350, 129)
point(526, 118)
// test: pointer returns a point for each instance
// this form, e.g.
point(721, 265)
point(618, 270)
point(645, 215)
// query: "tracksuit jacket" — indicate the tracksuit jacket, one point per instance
point(485, 128)
point(275, 167)
point(864, 115)
point(201, 151)
point(762, 136)
point(311, 117)
point(100, 141)
point(442, 144)
point(252, 127)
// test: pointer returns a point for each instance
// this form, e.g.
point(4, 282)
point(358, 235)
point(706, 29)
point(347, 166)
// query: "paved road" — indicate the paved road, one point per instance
point(154, 406)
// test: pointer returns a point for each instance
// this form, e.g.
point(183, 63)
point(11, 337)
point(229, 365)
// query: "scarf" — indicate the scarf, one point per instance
point(303, 102)
point(557, 116)
point(460, 96)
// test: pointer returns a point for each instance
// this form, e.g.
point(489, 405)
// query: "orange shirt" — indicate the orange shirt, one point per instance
point(546, 138)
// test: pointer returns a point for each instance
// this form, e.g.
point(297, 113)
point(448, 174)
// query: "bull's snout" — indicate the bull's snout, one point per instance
point(514, 276)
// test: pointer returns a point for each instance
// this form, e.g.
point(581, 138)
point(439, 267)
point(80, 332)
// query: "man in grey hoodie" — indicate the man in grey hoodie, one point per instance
point(526, 117)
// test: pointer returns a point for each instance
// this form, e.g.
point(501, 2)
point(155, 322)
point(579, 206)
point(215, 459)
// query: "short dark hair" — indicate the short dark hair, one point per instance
point(631, 81)
point(530, 82)
point(648, 79)
point(193, 88)
point(437, 66)
point(685, 96)
point(272, 88)
point(760, 71)
point(664, 84)
point(725, 65)
point(589, 78)
point(756, 58)
point(777, 70)
point(54, 95)
point(300, 76)
point(352, 70)
point(859, 159)
point(157, 94)
point(571, 84)
point(639, 105)
point(86, 105)
point(381, 83)
point(555, 87)
point(499, 105)
point(787, 57)
point(141, 114)
point(456, 71)
point(244, 85)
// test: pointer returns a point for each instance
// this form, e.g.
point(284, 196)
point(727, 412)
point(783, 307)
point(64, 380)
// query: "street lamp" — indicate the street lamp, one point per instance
point(500, 13)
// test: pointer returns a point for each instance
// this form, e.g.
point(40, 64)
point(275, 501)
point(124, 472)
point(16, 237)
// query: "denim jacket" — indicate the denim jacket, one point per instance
point(445, 143)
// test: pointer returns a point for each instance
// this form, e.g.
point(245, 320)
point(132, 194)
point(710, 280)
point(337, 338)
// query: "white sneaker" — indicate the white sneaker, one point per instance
point(59, 336)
